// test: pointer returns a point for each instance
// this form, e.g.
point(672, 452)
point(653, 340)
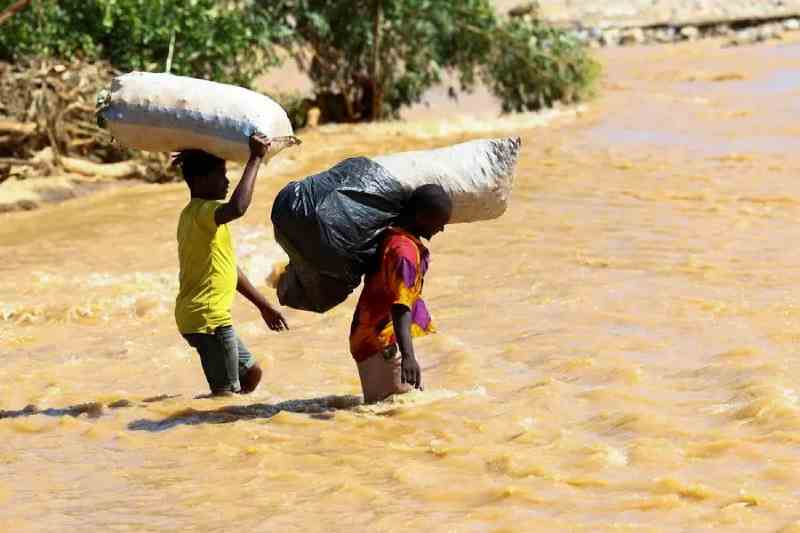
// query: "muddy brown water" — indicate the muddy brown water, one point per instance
point(619, 352)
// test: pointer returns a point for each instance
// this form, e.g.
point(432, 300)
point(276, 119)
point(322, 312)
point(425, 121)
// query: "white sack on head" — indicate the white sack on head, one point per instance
point(478, 175)
point(166, 113)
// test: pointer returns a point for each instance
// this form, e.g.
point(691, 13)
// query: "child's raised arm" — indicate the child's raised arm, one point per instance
point(243, 195)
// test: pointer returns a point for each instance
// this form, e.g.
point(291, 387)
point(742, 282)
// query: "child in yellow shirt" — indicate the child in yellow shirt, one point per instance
point(209, 276)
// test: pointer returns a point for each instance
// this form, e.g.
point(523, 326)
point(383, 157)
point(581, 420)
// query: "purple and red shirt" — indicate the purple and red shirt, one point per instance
point(398, 280)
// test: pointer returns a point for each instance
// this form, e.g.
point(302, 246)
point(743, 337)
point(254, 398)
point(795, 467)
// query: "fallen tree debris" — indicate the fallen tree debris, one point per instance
point(48, 123)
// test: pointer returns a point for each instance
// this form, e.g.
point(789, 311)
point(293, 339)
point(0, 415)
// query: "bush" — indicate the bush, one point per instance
point(367, 59)
point(381, 55)
point(51, 28)
point(212, 39)
point(534, 66)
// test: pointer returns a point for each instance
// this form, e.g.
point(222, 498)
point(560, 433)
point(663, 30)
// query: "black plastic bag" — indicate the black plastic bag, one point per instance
point(331, 224)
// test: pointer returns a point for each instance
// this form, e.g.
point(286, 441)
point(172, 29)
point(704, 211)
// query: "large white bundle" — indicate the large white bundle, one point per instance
point(166, 113)
point(478, 175)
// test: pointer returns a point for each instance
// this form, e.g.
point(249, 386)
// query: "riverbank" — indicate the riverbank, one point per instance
point(640, 13)
point(634, 22)
point(600, 24)
point(17, 194)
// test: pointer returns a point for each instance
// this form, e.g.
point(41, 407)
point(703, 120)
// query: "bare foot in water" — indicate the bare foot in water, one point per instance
point(251, 379)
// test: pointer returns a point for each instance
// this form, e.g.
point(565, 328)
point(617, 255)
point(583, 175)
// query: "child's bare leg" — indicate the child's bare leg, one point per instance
point(381, 376)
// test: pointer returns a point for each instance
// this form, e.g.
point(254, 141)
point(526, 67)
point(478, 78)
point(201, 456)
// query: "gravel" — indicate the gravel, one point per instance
point(635, 22)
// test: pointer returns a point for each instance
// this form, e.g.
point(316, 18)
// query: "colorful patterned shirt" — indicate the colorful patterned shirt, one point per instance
point(398, 280)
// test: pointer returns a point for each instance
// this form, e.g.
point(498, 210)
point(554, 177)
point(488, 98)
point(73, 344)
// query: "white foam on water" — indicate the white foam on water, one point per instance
point(257, 253)
point(103, 295)
point(139, 280)
point(616, 456)
point(49, 278)
point(134, 294)
point(418, 398)
point(6, 311)
point(791, 396)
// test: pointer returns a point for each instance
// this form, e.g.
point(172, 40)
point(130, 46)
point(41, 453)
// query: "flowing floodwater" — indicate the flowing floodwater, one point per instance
point(618, 352)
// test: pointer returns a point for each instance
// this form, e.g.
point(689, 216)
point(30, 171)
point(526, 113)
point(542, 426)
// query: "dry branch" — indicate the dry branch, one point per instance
point(21, 162)
point(125, 169)
point(50, 104)
point(17, 128)
point(13, 9)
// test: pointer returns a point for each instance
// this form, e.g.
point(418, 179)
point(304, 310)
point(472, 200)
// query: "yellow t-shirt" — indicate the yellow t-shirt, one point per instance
point(208, 270)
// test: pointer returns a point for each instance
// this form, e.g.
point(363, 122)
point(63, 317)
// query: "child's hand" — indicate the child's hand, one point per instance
point(259, 145)
point(411, 372)
point(274, 319)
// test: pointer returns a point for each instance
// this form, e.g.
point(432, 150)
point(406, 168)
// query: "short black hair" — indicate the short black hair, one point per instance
point(428, 198)
point(195, 163)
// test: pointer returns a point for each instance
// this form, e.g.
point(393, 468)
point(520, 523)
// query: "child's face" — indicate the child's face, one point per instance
point(432, 222)
point(214, 186)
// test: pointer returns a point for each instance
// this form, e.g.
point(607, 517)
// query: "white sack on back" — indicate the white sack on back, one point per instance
point(166, 113)
point(478, 175)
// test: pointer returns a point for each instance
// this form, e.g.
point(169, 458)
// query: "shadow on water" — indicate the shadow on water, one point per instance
point(90, 409)
point(321, 408)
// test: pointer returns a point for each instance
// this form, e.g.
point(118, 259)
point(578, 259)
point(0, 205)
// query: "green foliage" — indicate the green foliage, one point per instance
point(366, 58)
point(51, 28)
point(296, 105)
point(381, 55)
point(534, 66)
point(213, 39)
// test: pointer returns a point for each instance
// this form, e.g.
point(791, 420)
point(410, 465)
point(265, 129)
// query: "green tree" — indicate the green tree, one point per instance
point(368, 57)
point(51, 28)
point(210, 38)
point(381, 55)
point(534, 66)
